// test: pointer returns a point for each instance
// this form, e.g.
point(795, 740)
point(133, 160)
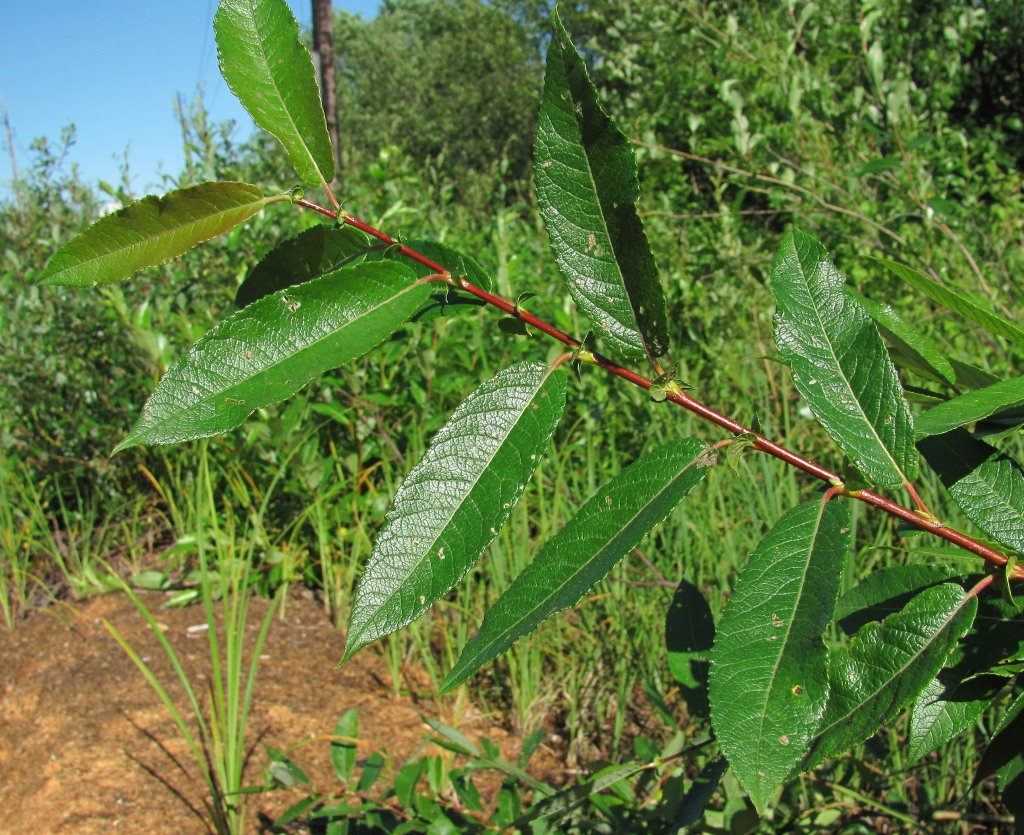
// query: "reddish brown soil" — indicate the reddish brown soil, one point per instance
point(81, 731)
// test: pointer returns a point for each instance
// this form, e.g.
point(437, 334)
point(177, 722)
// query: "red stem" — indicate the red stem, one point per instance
point(693, 405)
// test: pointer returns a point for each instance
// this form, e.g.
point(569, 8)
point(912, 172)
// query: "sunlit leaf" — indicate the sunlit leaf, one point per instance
point(840, 364)
point(265, 64)
point(971, 407)
point(603, 531)
point(152, 231)
point(456, 498)
point(887, 591)
point(272, 348)
point(959, 302)
point(311, 254)
point(946, 708)
point(343, 747)
point(768, 684)
point(587, 190)
point(888, 665)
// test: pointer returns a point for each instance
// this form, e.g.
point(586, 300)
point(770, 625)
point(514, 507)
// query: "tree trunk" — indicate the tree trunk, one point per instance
point(323, 45)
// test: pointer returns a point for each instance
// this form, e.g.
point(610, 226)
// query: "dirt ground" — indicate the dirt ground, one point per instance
point(86, 745)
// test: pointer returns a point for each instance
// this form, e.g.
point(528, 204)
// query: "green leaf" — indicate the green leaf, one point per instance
point(986, 485)
point(840, 364)
point(692, 807)
point(971, 407)
point(883, 593)
point(311, 254)
point(1007, 744)
point(343, 750)
point(587, 189)
point(957, 301)
point(266, 66)
point(946, 708)
point(603, 531)
point(452, 504)
point(768, 683)
point(152, 231)
point(909, 347)
point(272, 348)
point(887, 665)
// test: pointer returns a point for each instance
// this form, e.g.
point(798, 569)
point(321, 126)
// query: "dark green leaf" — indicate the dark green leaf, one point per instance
point(452, 504)
point(957, 301)
point(557, 808)
point(272, 348)
point(886, 592)
point(947, 707)
point(1007, 743)
point(987, 486)
point(840, 364)
point(587, 189)
point(887, 665)
point(152, 231)
point(265, 64)
point(768, 666)
point(696, 800)
point(343, 750)
point(689, 635)
point(311, 254)
point(603, 531)
point(971, 407)
point(909, 347)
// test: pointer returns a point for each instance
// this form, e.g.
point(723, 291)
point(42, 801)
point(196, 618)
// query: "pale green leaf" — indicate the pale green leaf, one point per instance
point(272, 348)
point(265, 64)
point(958, 301)
point(456, 498)
point(310, 254)
point(971, 407)
point(603, 531)
point(152, 231)
point(840, 364)
point(887, 665)
point(587, 189)
point(344, 748)
point(768, 684)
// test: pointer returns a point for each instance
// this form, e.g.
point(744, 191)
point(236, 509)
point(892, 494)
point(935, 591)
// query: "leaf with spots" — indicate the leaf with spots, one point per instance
point(768, 686)
point(587, 189)
point(272, 348)
point(453, 502)
point(840, 365)
point(611, 523)
point(888, 665)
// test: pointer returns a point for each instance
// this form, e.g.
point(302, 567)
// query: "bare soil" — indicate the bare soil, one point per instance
point(87, 747)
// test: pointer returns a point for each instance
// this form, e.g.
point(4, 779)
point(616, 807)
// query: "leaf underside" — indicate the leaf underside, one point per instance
point(840, 365)
point(768, 682)
point(152, 231)
point(272, 348)
point(454, 501)
point(587, 189)
point(608, 526)
point(266, 66)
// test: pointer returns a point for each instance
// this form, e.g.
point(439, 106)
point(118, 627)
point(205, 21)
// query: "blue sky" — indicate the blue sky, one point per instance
point(113, 67)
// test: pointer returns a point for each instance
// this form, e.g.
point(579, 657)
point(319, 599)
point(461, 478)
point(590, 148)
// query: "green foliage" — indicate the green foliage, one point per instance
point(911, 639)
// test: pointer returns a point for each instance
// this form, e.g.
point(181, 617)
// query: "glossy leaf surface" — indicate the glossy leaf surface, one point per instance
point(266, 66)
point(971, 407)
point(885, 592)
point(272, 348)
point(957, 301)
point(887, 665)
point(840, 364)
point(946, 708)
point(152, 231)
point(587, 190)
point(909, 347)
point(768, 683)
point(608, 526)
point(454, 501)
point(987, 486)
point(316, 252)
